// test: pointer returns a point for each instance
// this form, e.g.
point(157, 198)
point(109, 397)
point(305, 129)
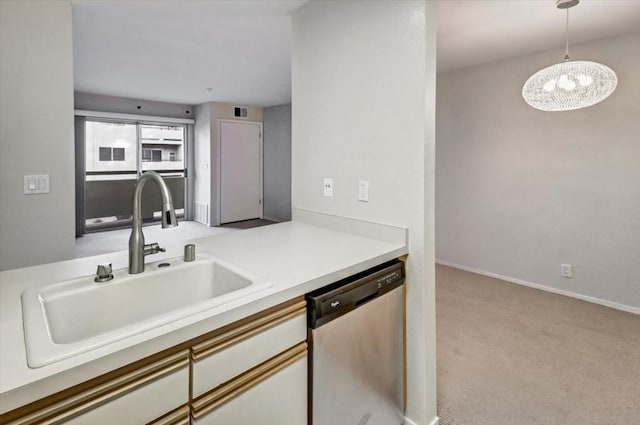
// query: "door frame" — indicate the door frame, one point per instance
point(261, 161)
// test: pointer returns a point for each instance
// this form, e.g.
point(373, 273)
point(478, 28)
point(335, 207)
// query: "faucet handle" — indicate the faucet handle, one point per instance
point(103, 273)
point(153, 248)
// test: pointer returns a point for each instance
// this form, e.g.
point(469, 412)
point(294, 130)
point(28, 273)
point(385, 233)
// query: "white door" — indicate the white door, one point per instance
point(240, 171)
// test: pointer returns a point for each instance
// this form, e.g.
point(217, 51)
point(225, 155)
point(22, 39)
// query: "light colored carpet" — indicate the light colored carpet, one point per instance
point(512, 355)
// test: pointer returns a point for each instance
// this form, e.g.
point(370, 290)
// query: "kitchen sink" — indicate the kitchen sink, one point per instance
point(74, 316)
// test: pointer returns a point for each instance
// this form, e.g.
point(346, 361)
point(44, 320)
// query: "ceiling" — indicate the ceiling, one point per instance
point(472, 32)
point(173, 50)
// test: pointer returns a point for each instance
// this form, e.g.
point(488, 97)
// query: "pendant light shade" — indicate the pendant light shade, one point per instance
point(569, 85)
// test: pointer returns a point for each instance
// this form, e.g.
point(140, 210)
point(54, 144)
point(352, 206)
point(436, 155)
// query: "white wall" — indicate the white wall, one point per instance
point(202, 157)
point(363, 80)
point(277, 162)
point(36, 132)
point(126, 105)
point(520, 191)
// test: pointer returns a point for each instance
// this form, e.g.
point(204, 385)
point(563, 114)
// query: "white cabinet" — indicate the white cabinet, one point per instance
point(253, 371)
point(276, 396)
point(144, 404)
point(155, 392)
point(239, 348)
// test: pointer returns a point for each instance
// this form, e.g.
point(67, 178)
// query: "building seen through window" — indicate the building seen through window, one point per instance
point(115, 155)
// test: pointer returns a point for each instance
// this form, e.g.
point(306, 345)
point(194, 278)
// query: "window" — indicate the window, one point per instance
point(153, 155)
point(104, 154)
point(115, 155)
point(118, 154)
point(110, 154)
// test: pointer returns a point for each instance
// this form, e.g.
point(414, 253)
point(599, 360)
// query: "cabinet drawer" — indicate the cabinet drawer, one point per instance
point(179, 416)
point(138, 397)
point(229, 354)
point(272, 393)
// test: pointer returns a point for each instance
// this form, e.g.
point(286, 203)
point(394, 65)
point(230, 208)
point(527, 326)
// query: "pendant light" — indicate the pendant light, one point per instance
point(569, 84)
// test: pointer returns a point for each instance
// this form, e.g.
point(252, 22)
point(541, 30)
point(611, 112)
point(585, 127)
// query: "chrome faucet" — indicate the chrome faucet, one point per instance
point(137, 247)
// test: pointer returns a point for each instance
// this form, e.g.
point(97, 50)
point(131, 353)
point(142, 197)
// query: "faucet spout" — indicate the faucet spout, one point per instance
point(137, 247)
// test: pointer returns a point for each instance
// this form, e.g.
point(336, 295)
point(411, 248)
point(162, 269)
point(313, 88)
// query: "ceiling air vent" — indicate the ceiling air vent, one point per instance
point(240, 112)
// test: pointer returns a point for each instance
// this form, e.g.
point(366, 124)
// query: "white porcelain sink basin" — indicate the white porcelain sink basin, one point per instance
point(67, 318)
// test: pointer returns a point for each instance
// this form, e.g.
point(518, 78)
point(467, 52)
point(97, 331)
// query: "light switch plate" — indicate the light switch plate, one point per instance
point(363, 191)
point(36, 184)
point(328, 187)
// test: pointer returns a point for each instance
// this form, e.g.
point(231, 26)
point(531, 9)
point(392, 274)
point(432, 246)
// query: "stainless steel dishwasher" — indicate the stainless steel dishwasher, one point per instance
point(356, 335)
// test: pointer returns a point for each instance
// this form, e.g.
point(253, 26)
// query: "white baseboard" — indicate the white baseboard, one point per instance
point(408, 421)
point(277, 220)
point(611, 304)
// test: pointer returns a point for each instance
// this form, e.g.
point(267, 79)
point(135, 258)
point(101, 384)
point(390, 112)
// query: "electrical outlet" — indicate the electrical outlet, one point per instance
point(363, 191)
point(328, 187)
point(567, 270)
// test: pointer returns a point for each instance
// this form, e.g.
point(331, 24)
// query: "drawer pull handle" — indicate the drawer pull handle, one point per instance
point(177, 417)
point(96, 396)
point(226, 392)
point(247, 330)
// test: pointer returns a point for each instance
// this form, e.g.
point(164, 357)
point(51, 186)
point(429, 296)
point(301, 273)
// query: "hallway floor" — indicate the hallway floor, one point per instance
point(513, 355)
point(118, 240)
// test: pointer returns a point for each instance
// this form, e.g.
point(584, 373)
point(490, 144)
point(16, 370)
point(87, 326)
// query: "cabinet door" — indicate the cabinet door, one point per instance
point(138, 397)
point(277, 395)
point(229, 354)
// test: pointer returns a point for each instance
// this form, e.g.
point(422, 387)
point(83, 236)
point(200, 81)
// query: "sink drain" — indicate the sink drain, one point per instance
point(164, 264)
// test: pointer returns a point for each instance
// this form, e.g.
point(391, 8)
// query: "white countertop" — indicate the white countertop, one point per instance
point(295, 257)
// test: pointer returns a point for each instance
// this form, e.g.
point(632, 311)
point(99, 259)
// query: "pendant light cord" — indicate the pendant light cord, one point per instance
point(566, 50)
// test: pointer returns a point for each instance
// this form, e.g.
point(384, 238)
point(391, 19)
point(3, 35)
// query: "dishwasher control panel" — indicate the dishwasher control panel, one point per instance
point(390, 278)
point(332, 301)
